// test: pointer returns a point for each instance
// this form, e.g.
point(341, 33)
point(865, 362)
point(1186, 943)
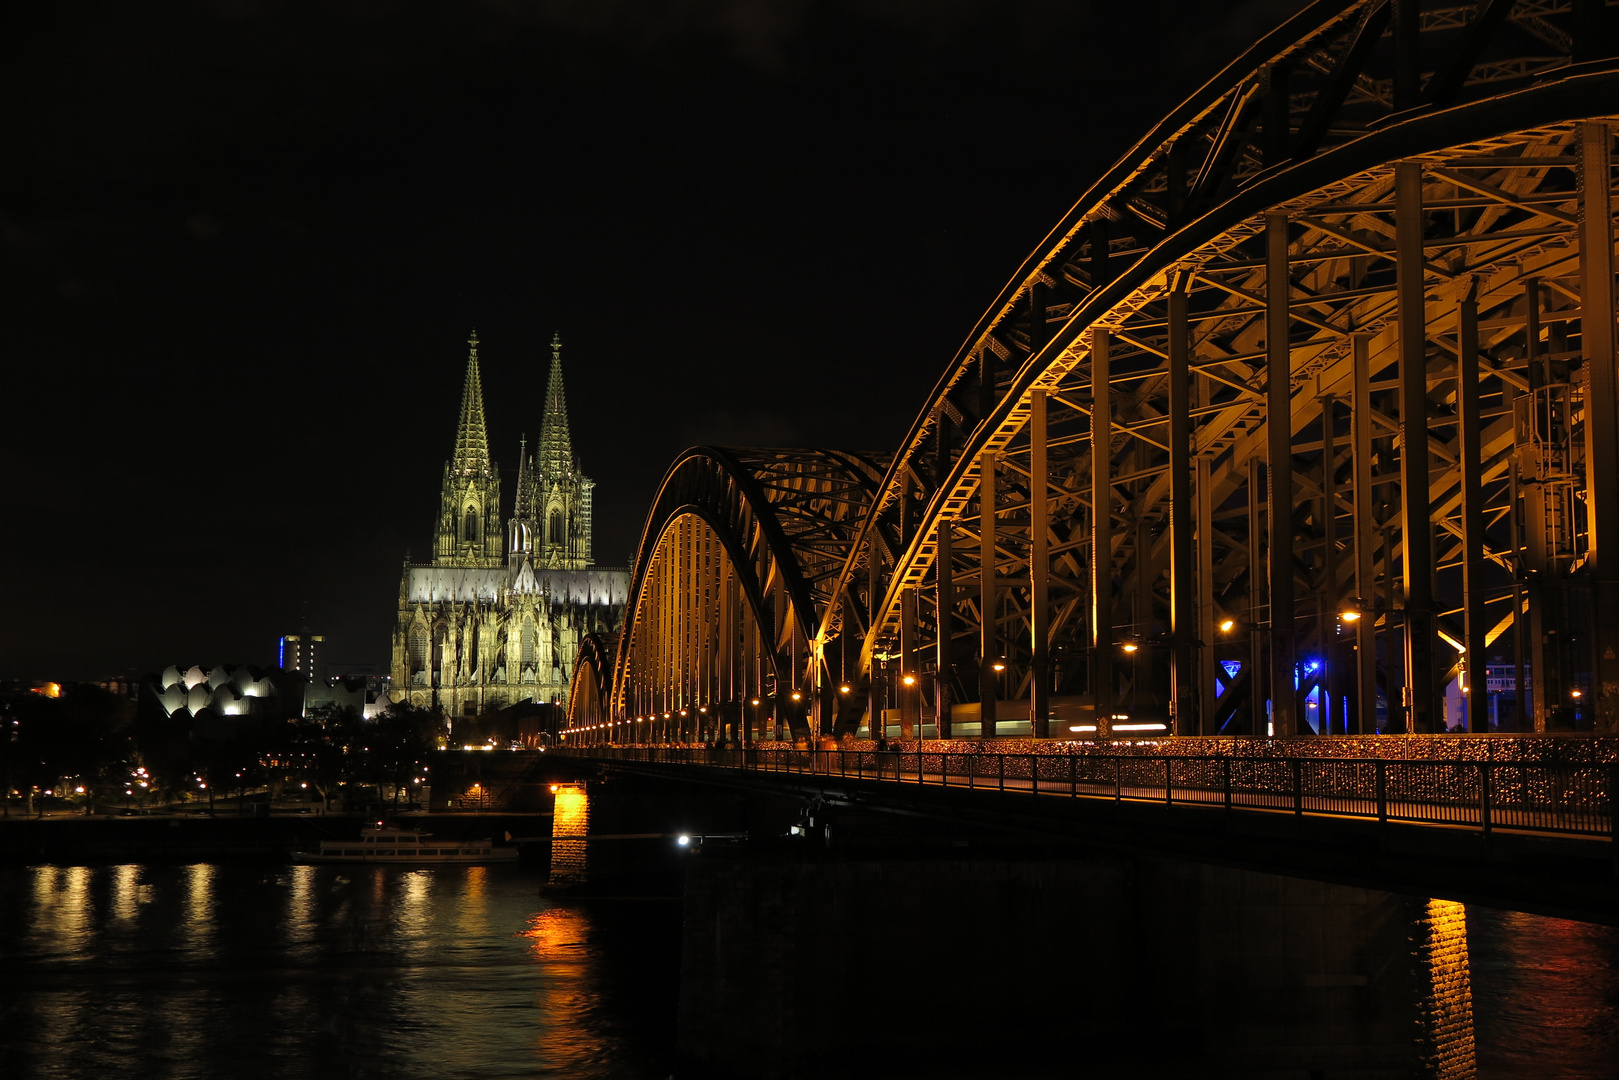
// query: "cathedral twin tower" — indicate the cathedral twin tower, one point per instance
point(497, 616)
point(550, 522)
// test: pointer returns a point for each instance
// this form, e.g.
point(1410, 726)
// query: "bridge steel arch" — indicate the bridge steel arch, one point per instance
point(730, 582)
point(590, 688)
point(1299, 412)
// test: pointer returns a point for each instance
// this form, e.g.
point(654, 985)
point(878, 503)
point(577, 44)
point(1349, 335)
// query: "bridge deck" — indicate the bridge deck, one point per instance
point(1488, 796)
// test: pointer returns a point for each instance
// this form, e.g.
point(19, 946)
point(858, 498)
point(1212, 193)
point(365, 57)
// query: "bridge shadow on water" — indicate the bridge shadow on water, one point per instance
point(878, 945)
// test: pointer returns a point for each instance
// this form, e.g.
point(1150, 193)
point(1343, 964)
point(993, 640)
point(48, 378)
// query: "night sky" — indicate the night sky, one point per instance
point(245, 243)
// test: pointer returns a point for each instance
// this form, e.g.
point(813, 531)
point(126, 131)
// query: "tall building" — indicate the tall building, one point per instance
point(304, 653)
point(497, 616)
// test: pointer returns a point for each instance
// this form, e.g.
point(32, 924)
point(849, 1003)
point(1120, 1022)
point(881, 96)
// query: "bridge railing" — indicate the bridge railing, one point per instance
point(1555, 797)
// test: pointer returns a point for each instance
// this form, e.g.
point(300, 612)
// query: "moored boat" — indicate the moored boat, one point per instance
point(381, 843)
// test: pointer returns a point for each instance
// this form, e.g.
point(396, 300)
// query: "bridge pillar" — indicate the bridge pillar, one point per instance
point(1601, 410)
point(1039, 569)
point(1365, 715)
point(1101, 569)
point(1279, 473)
point(1182, 524)
point(1416, 523)
point(570, 829)
point(1474, 628)
point(989, 649)
point(944, 578)
point(910, 682)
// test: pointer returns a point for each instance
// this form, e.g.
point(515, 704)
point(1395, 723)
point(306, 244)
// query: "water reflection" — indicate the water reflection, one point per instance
point(1545, 996)
point(289, 972)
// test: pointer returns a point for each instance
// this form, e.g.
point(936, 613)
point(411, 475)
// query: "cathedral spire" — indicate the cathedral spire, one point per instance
point(469, 532)
point(471, 456)
point(556, 446)
point(524, 510)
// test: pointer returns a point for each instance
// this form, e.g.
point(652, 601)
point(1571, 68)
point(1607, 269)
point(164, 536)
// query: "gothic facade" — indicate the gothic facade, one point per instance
point(496, 618)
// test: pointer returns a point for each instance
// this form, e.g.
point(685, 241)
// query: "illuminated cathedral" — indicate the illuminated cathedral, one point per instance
point(496, 618)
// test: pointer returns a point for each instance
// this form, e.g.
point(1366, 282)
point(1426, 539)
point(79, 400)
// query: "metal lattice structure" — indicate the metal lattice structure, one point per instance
point(1297, 415)
point(735, 570)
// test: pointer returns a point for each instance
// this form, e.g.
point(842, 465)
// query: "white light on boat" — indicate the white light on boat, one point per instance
point(684, 840)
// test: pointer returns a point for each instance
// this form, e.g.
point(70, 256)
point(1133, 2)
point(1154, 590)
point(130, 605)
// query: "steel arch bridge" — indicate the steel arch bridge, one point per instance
point(1292, 422)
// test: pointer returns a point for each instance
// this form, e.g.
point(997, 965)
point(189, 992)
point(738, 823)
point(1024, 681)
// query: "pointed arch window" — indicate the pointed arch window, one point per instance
point(418, 648)
point(531, 642)
point(469, 523)
point(554, 533)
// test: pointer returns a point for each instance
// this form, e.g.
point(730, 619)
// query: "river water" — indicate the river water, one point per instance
point(238, 970)
point(233, 970)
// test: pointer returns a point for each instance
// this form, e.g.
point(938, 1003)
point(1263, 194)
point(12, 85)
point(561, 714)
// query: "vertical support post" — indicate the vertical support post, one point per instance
point(1206, 695)
point(1601, 408)
point(1416, 524)
point(1474, 628)
point(1279, 472)
point(1257, 668)
point(989, 650)
point(1101, 532)
point(1039, 571)
point(724, 692)
point(1327, 633)
point(876, 725)
point(910, 687)
point(1366, 626)
point(1182, 523)
point(944, 581)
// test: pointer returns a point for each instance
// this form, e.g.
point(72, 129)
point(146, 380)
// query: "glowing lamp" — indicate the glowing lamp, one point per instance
point(1228, 625)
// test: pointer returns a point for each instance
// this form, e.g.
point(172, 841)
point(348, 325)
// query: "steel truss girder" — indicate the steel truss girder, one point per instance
point(736, 560)
point(1304, 130)
point(1495, 176)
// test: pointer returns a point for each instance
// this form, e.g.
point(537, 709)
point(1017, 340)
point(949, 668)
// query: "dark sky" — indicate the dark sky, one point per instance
point(245, 241)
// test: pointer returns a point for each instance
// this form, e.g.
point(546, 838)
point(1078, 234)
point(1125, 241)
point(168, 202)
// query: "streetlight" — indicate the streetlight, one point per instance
point(1228, 625)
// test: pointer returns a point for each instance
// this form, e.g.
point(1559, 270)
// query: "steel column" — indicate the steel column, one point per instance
point(1474, 627)
point(1182, 524)
point(945, 585)
point(1207, 694)
point(989, 650)
point(876, 728)
point(1601, 415)
point(1279, 473)
point(1365, 582)
point(1327, 624)
point(910, 685)
point(1416, 518)
point(1101, 569)
point(1039, 571)
point(1257, 667)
